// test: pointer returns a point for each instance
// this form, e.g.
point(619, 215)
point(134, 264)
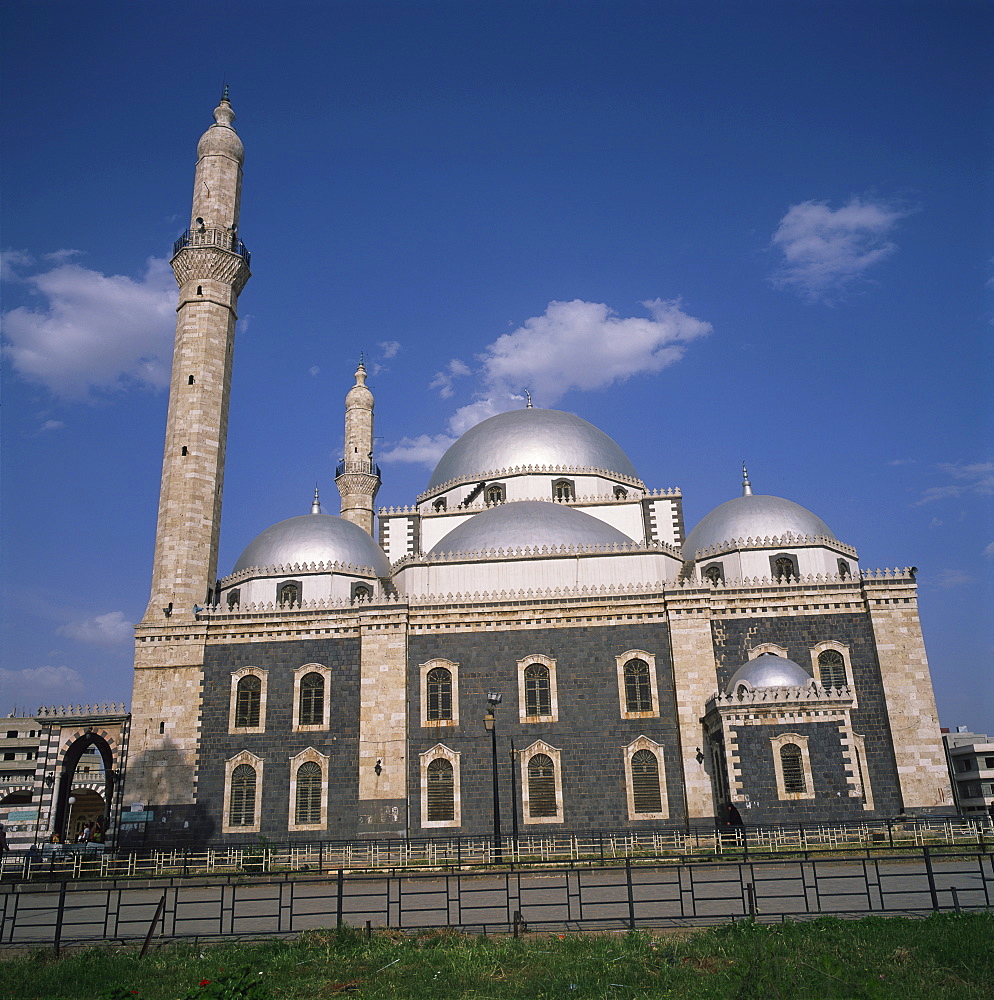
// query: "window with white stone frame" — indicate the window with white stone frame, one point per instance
point(538, 698)
point(832, 666)
point(767, 647)
point(792, 765)
point(242, 794)
point(638, 690)
point(541, 784)
point(247, 711)
point(311, 698)
point(308, 804)
point(441, 804)
point(439, 693)
point(645, 780)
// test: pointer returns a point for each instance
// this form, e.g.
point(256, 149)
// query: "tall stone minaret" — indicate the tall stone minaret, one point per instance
point(211, 266)
point(357, 477)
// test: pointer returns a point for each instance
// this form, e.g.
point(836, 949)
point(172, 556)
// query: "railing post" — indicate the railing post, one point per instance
point(59, 916)
point(341, 897)
point(931, 877)
point(631, 896)
point(751, 899)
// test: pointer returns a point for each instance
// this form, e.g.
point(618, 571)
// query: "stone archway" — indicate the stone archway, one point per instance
point(88, 799)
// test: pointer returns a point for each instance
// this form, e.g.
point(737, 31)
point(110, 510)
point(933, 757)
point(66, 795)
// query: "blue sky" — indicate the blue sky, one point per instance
point(719, 231)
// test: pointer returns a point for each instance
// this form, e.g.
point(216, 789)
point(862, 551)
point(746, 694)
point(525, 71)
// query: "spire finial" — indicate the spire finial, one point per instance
point(528, 397)
point(316, 503)
point(360, 372)
point(746, 485)
point(224, 95)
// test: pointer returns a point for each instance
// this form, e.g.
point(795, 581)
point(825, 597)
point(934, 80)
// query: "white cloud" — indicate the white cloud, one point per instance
point(314, 370)
point(35, 686)
point(424, 449)
point(989, 550)
point(972, 479)
point(91, 330)
point(572, 346)
point(10, 261)
point(826, 250)
point(954, 578)
point(52, 425)
point(443, 380)
point(111, 629)
point(390, 348)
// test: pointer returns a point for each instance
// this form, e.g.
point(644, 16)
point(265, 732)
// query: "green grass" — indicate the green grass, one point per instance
point(946, 955)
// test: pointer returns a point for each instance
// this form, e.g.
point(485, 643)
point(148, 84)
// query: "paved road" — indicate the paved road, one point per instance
point(659, 895)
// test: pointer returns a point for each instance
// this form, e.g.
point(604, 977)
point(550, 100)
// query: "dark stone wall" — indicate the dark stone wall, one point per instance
point(590, 732)
point(279, 743)
point(732, 640)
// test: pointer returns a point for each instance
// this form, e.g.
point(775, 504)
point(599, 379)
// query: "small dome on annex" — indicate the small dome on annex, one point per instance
point(549, 439)
point(532, 523)
point(769, 670)
point(314, 538)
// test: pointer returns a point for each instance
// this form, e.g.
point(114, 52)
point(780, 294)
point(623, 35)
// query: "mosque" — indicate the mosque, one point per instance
point(538, 617)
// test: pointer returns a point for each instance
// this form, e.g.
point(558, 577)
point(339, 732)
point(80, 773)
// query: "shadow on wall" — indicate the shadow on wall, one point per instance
point(166, 818)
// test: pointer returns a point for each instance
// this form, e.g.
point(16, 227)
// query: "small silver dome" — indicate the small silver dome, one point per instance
point(530, 436)
point(769, 670)
point(528, 522)
point(314, 538)
point(753, 516)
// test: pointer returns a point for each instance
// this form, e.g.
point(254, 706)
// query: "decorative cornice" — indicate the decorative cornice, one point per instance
point(789, 540)
point(531, 470)
point(77, 711)
point(296, 569)
point(536, 552)
point(808, 694)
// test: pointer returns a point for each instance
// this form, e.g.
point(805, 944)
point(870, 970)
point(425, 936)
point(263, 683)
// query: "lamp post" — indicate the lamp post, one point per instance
point(490, 721)
point(71, 801)
point(514, 800)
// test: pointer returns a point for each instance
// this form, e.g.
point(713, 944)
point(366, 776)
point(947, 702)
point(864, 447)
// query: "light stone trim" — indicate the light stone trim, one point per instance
point(768, 647)
point(776, 742)
point(383, 711)
point(453, 669)
point(550, 663)
point(656, 749)
point(312, 756)
point(650, 659)
point(541, 747)
point(242, 757)
point(263, 674)
point(452, 756)
point(298, 676)
point(843, 650)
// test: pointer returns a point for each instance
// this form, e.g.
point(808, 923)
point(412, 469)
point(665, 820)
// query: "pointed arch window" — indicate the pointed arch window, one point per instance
point(538, 690)
point(638, 689)
point(542, 787)
point(308, 804)
point(646, 795)
point(248, 702)
point(441, 791)
point(311, 707)
point(832, 668)
point(439, 690)
point(241, 797)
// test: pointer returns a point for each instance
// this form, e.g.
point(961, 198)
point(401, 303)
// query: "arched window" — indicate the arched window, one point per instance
point(362, 592)
point(288, 593)
point(542, 786)
point(441, 791)
point(439, 504)
point(844, 571)
point(538, 690)
point(248, 700)
point(832, 669)
point(783, 566)
point(620, 493)
point(308, 805)
point(563, 489)
point(495, 493)
point(645, 782)
point(638, 690)
point(234, 598)
point(439, 691)
point(241, 801)
point(311, 708)
point(713, 574)
point(793, 770)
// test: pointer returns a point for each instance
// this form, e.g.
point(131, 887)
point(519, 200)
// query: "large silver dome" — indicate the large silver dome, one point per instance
point(314, 538)
point(528, 522)
point(753, 516)
point(769, 670)
point(530, 436)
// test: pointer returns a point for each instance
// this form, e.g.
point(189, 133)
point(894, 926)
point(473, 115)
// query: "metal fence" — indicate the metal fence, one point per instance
point(258, 856)
point(625, 895)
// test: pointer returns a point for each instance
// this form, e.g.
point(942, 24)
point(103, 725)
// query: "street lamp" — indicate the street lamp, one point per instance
point(490, 721)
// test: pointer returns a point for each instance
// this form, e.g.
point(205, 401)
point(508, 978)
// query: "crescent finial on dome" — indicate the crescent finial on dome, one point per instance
point(746, 485)
point(316, 502)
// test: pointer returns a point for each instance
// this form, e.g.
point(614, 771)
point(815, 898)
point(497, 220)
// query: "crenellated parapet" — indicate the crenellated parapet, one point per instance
point(788, 540)
point(296, 569)
point(531, 470)
point(74, 711)
point(809, 694)
point(536, 552)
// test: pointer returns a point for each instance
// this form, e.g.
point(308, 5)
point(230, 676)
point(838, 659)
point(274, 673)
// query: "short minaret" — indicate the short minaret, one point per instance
point(357, 477)
point(211, 266)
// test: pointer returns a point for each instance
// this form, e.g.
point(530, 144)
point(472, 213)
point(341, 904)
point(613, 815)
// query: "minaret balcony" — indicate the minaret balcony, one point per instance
point(360, 466)
point(223, 239)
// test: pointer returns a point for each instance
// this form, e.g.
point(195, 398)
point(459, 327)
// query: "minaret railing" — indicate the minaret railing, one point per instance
point(357, 465)
point(223, 239)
